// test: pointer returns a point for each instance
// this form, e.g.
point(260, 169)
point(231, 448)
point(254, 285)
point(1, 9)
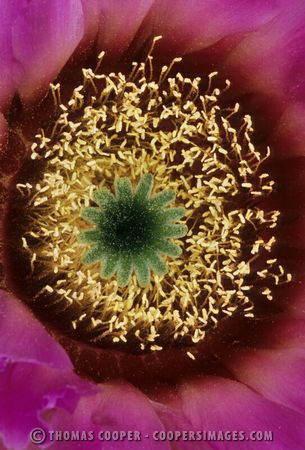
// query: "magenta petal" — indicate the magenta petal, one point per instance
point(193, 25)
point(174, 419)
point(36, 375)
point(44, 35)
point(212, 403)
point(91, 10)
point(276, 374)
point(23, 338)
point(119, 22)
point(117, 407)
point(271, 60)
point(29, 390)
point(10, 69)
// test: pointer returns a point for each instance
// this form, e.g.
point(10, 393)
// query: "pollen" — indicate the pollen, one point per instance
point(156, 135)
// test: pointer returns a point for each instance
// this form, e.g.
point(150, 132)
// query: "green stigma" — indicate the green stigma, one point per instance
point(131, 229)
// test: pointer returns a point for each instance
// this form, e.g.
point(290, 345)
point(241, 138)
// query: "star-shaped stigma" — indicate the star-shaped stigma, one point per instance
point(131, 229)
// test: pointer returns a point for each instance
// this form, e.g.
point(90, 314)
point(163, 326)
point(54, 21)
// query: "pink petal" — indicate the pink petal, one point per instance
point(269, 63)
point(114, 24)
point(91, 10)
point(36, 375)
point(23, 338)
point(191, 26)
point(10, 69)
point(278, 374)
point(117, 407)
point(27, 391)
point(119, 22)
point(44, 35)
point(213, 403)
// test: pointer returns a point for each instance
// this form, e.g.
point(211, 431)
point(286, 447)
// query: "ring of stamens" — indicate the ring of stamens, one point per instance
point(126, 126)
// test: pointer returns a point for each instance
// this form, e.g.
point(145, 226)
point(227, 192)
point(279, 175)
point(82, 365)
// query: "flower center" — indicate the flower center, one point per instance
point(126, 131)
point(131, 229)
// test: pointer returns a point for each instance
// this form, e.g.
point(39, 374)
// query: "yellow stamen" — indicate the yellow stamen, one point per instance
point(129, 126)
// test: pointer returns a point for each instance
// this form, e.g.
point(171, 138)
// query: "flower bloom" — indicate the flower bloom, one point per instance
point(250, 375)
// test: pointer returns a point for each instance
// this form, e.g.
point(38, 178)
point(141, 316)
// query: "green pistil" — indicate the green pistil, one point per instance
point(131, 230)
